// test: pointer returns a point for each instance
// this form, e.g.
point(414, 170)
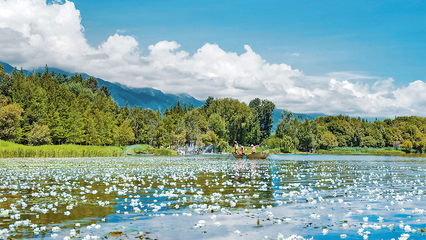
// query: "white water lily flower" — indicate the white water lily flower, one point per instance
point(404, 236)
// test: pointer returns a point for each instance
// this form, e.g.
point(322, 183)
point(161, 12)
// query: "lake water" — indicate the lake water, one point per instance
point(214, 197)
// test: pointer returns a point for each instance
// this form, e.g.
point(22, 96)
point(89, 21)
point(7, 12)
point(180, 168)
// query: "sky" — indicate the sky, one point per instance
point(358, 58)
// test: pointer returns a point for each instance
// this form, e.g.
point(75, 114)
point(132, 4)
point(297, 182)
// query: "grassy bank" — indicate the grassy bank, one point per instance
point(361, 150)
point(348, 151)
point(9, 150)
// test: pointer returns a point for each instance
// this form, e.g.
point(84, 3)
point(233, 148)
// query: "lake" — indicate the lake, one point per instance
point(214, 197)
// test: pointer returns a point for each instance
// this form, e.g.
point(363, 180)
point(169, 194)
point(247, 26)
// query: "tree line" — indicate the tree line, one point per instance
point(53, 108)
point(342, 131)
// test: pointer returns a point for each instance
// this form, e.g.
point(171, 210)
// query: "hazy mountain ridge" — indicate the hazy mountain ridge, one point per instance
point(154, 98)
point(143, 97)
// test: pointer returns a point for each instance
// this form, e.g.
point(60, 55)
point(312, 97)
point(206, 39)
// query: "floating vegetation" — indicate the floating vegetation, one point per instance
point(180, 197)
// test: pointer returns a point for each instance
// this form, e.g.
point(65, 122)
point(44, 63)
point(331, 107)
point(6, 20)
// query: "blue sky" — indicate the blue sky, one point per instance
point(359, 58)
point(378, 38)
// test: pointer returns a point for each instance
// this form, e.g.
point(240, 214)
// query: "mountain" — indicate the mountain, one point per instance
point(150, 97)
point(277, 116)
point(142, 97)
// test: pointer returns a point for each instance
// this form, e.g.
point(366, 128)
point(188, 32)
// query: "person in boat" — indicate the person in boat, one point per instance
point(253, 149)
point(236, 147)
point(243, 150)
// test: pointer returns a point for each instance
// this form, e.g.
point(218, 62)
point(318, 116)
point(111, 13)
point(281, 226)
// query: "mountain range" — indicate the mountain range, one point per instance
point(142, 97)
point(149, 97)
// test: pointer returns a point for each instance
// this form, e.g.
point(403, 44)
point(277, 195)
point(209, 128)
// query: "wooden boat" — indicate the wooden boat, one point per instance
point(258, 155)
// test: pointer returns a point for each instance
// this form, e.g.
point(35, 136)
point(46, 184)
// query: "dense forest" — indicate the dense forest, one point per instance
point(53, 108)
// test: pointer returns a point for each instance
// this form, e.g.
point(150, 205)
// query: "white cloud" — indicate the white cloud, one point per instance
point(33, 33)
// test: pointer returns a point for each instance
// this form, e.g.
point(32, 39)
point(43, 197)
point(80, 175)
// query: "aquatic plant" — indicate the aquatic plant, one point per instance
point(286, 197)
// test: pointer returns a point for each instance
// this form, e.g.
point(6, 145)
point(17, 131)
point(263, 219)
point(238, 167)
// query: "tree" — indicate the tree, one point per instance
point(285, 144)
point(124, 133)
point(408, 145)
point(221, 145)
point(305, 135)
point(77, 132)
point(92, 136)
point(340, 128)
point(206, 106)
point(263, 116)
point(368, 141)
point(107, 128)
point(6, 83)
point(328, 140)
point(237, 115)
point(91, 83)
point(420, 142)
point(105, 90)
point(39, 135)
point(58, 128)
point(10, 114)
point(288, 126)
point(196, 127)
point(217, 124)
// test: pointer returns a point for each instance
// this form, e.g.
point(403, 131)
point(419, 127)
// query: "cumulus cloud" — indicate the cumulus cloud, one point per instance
point(33, 33)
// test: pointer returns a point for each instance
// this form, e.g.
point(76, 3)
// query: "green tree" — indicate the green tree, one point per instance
point(6, 83)
point(91, 83)
point(263, 116)
point(206, 106)
point(285, 144)
point(238, 117)
point(217, 124)
point(124, 133)
point(221, 145)
point(306, 135)
point(39, 135)
point(57, 128)
point(408, 145)
point(368, 141)
point(76, 123)
point(10, 114)
point(328, 140)
point(288, 126)
point(420, 142)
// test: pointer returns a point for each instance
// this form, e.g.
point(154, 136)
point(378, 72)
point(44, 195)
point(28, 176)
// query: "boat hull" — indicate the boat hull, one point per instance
point(258, 155)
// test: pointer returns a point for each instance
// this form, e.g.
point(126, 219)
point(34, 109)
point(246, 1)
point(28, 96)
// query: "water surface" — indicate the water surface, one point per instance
point(214, 197)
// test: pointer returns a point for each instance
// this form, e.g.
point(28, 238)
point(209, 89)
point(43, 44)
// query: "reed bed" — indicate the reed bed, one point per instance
point(10, 150)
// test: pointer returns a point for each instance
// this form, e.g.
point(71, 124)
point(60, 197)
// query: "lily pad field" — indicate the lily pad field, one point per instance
point(214, 197)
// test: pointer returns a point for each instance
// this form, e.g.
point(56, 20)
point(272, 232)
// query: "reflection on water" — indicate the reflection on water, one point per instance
point(319, 196)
